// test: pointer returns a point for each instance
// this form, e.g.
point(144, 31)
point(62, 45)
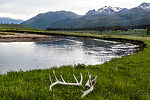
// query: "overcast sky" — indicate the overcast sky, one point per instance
point(25, 9)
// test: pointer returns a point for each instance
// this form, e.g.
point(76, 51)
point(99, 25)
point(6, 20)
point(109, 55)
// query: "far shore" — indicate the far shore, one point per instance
point(25, 37)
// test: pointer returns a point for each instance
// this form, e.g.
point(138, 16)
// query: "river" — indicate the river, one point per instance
point(15, 56)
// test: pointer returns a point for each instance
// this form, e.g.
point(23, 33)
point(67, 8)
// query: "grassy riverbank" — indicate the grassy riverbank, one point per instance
point(134, 32)
point(120, 79)
point(6, 33)
point(15, 27)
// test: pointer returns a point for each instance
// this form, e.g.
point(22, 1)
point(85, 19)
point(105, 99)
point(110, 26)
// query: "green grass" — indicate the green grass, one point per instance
point(134, 32)
point(126, 78)
point(6, 33)
point(15, 27)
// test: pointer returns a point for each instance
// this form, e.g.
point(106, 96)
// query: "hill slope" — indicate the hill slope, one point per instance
point(42, 20)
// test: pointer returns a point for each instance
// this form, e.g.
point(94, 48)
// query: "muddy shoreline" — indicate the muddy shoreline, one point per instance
point(25, 37)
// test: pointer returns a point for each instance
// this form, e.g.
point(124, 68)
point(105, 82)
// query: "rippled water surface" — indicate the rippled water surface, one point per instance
point(65, 51)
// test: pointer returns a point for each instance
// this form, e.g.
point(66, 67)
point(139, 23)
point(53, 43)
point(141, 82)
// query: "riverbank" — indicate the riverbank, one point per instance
point(25, 37)
point(121, 78)
point(117, 38)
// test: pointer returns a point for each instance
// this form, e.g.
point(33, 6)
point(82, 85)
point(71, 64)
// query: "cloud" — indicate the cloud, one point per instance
point(26, 9)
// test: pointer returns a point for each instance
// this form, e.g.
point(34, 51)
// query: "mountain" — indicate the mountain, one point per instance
point(7, 20)
point(145, 6)
point(92, 12)
point(108, 16)
point(106, 10)
point(43, 20)
point(105, 16)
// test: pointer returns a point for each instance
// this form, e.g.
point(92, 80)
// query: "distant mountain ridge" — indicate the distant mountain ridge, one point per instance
point(43, 20)
point(106, 10)
point(105, 16)
point(7, 20)
point(145, 6)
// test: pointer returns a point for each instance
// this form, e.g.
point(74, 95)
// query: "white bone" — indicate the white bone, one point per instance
point(89, 84)
point(88, 91)
point(75, 78)
point(63, 81)
point(90, 81)
point(81, 78)
point(50, 79)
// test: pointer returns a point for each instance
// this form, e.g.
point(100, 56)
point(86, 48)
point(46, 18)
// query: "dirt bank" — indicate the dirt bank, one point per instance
point(24, 37)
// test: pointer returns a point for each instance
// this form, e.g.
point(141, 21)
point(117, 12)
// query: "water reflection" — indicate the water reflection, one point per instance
point(65, 51)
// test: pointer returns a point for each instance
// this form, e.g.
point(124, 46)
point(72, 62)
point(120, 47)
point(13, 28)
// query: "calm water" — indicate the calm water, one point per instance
point(65, 51)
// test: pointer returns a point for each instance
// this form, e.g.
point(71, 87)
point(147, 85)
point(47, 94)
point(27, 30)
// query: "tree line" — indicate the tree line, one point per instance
point(106, 28)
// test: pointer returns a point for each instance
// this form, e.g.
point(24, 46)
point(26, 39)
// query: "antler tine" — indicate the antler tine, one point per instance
point(89, 80)
point(75, 78)
point(89, 76)
point(81, 79)
point(54, 75)
point(94, 82)
point(94, 79)
point(62, 79)
point(88, 91)
point(50, 79)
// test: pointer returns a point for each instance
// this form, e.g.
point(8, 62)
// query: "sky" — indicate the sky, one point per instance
point(26, 9)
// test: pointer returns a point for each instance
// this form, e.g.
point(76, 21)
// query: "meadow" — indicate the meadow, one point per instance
point(125, 78)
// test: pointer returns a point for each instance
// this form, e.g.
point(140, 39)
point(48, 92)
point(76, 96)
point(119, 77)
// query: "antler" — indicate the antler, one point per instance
point(63, 81)
point(89, 84)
